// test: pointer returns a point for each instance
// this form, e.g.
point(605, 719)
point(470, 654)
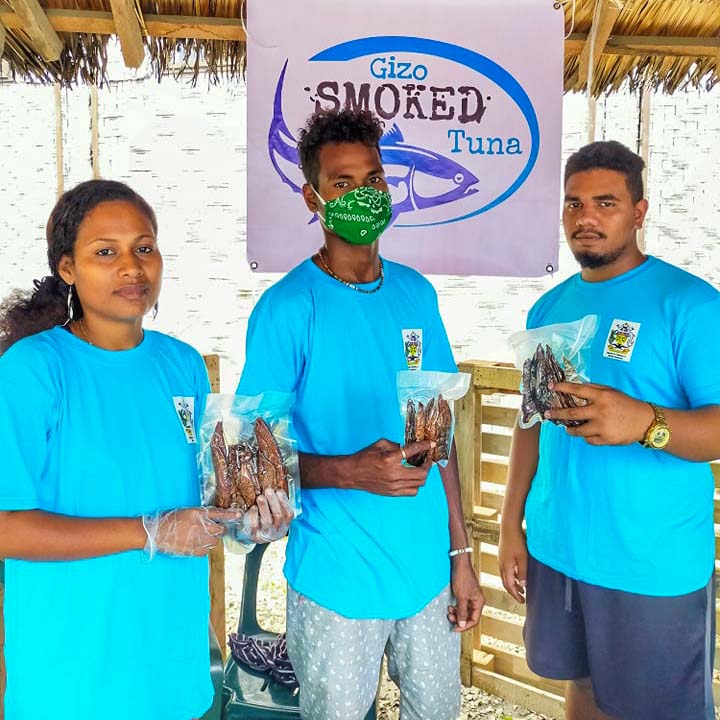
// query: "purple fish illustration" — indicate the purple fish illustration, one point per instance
point(409, 168)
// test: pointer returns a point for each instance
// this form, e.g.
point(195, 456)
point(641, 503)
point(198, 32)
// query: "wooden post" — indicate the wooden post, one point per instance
point(217, 556)
point(59, 141)
point(94, 143)
point(644, 147)
point(468, 438)
point(36, 25)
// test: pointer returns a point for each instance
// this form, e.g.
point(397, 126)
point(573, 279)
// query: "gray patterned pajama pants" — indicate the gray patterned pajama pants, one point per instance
point(337, 661)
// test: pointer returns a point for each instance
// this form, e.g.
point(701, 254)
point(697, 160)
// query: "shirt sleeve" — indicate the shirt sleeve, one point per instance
point(697, 352)
point(438, 354)
point(28, 415)
point(276, 343)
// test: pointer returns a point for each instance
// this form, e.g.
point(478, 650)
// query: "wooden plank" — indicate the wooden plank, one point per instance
point(501, 416)
point(513, 665)
point(217, 556)
point(491, 377)
point(493, 499)
point(489, 563)
point(173, 26)
point(603, 23)
point(468, 433)
point(494, 471)
point(505, 629)
point(129, 31)
point(484, 660)
point(539, 701)
point(496, 444)
point(480, 512)
point(3, 35)
point(34, 21)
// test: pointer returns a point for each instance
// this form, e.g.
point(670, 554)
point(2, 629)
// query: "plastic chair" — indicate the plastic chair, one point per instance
point(216, 674)
point(246, 693)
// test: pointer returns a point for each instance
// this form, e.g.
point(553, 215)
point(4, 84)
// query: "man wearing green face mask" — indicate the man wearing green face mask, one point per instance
point(367, 561)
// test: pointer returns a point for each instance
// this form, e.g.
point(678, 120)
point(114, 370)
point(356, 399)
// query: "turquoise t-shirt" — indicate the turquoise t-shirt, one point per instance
point(91, 433)
point(627, 517)
point(359, 554)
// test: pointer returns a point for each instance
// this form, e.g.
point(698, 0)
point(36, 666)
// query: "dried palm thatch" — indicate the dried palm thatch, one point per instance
point(84, 56)
point(656, 68)
point(658, 65)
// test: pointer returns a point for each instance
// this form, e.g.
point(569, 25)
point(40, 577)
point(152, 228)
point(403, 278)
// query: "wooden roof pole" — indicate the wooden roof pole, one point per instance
point(3, 34)
point(129, 31)
point(35, 23)
point(607, 14)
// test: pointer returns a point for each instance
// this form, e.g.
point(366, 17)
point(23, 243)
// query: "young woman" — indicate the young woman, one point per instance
point(106, 599)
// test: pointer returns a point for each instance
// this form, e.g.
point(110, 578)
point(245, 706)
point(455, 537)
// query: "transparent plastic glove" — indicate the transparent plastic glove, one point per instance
point(269, 519)
point(185, 532)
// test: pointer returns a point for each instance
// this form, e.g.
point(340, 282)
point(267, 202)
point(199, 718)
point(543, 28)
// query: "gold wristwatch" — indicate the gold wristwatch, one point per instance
point(657, 435)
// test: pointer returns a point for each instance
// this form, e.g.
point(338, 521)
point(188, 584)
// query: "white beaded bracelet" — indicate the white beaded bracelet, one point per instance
point(460, 551)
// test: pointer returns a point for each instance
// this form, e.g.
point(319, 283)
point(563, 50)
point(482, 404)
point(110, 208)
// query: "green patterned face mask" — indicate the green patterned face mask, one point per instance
point(359, 216)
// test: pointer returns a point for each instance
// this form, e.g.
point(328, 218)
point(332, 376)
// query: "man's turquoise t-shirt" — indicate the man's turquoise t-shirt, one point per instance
point(628, 517)
point(359, 554)
point(91, 433)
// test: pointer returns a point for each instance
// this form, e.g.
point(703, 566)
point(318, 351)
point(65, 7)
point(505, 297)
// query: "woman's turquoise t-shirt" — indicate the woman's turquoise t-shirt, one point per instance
point(88, 432)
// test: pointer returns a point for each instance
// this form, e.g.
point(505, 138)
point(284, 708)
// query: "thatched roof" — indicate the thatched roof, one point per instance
point(668, 44)
point(197, 35)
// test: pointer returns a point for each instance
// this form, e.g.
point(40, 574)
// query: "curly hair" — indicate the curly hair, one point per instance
point(25, 313)
point(610, 155)
point(335, 126)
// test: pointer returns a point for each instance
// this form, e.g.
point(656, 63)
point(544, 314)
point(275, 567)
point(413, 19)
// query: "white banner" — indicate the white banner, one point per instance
point(470, 94)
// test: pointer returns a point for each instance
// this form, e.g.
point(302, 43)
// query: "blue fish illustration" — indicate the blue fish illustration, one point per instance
point(449, 180)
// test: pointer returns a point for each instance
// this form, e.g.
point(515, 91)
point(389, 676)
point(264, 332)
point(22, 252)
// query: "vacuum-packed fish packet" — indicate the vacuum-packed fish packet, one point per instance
point(552, 354)
point(426, 404)
point(246, 445)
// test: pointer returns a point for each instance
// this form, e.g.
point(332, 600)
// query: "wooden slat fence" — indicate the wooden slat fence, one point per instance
point(493, 657)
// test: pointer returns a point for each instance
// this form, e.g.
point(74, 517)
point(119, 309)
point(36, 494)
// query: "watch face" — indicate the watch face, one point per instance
point(660, 437)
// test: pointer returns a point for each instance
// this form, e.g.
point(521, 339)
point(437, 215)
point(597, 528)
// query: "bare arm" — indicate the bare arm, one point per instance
point(469, 598)
point(44, 536)
point(377, 469)
point(38, 535)
point(512, 551)
point(524, 454)
point(614, 418)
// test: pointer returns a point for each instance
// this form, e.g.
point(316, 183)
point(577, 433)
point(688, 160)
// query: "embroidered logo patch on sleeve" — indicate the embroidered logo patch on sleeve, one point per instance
point(621, 340)
point(185, 409)
point(412, 345)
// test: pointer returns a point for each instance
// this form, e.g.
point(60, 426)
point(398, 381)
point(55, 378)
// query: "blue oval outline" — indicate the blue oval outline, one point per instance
point(362, 47)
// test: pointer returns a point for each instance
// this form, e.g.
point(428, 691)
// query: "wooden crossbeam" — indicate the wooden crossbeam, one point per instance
point(129, 32)
point(649, 45)
point(34, 21)
point(607, 14)
point(102, 23)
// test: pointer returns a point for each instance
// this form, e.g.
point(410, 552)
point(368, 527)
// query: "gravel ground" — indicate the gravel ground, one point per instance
point(476, 704)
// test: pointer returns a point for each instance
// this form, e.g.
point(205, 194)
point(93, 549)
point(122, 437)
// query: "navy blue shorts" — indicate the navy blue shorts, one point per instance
point(648, 658)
